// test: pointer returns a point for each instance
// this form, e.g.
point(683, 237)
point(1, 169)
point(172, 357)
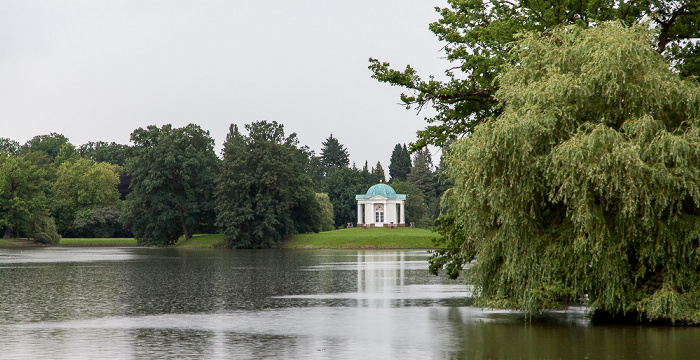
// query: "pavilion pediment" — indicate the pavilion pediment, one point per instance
point(378, 197)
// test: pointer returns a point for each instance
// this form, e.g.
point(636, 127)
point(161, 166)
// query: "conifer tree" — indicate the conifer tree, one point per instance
point(378, 173)
point(400, 163)
point(333, 154)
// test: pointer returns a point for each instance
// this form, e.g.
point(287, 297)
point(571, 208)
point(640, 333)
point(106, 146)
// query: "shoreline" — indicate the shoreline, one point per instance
point(342, 239)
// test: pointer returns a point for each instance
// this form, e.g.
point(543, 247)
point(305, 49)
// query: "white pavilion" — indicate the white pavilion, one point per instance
point(380, 206)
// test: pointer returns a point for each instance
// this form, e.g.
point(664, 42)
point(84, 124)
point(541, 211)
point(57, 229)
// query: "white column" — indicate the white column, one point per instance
point(403, 218)
point(359, 213)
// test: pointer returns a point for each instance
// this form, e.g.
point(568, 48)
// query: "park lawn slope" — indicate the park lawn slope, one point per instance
point(359, 238)
point(98, 241)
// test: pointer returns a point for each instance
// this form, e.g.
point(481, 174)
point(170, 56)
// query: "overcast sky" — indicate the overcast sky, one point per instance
point(96, 70)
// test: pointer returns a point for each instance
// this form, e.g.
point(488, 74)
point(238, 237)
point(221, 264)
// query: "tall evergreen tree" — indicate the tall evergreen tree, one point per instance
point(422, 175)
point(378, 172)
point(334, 154)
point(173, 183)
point(400, 163)
point(263, 192)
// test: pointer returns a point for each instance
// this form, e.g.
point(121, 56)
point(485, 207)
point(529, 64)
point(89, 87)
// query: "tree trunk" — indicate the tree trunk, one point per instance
point(8, 232)
point(185, 230)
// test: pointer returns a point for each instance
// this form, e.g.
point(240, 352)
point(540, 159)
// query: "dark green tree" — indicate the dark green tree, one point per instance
point(378, 172)
point(173, 183)
point(50, 145)
point(263, 192)
point(333, 154)
point(100, 222)
point(400, 163)
point(415, 205)
point(479, 34)
point(587, 187)
point(23, 188)
point(101, 151)
point(422, 174)
point(342, 186)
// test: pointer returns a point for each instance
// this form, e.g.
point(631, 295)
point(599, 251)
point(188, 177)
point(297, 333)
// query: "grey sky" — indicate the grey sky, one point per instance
point(96, 70)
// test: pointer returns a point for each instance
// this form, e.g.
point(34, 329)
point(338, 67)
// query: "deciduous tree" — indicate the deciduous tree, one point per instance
point(263, 192)
point(479, 34)
point(173, 183)
point(82, 185)
point(22, 193)
point(587, 187)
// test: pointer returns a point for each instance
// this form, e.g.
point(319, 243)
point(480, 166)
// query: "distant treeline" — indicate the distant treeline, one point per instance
point(170, 183)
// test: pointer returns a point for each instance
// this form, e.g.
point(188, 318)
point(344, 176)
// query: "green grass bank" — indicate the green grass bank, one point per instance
point(359, 238)
point(98, 241)
point(354, 238)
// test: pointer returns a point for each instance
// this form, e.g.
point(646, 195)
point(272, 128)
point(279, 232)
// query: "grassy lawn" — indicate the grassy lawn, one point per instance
point(7, 242)
point(358, 238)
point(355, 238)
point(98, 241)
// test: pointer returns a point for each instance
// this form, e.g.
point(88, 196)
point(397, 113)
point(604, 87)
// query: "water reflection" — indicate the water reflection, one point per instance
point(150, 303)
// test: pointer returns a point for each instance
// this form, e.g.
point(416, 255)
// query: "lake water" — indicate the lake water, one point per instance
point(72, 302)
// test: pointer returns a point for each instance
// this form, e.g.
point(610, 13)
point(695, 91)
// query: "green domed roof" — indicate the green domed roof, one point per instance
point(382, 190)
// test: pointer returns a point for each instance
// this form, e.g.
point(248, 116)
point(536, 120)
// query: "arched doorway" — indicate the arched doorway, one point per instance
point(379, 215)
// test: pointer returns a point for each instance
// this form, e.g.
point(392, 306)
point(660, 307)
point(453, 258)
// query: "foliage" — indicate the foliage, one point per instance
point(22, 192)
point(415, 207)
point(43, 228)
point(100, 222)
point(422, 174)
point(326, 212)
point(378, 173)
point(333, 154)
point(9, 146)
point(173, 183)
point(82, 185)
point(263, 193)
point(101, 151)
point(341, 186)
point(400, 163)
point(587, 186)
point(50, 145)
point(112, 153)
point(479, 34)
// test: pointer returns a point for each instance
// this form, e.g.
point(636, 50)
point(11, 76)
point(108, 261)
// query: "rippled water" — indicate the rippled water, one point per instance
point(67, 303)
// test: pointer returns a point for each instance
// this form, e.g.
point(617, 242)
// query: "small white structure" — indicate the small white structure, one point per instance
point(380, 206)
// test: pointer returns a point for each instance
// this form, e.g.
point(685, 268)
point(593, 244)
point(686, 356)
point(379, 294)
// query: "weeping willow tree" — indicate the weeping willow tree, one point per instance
point(586, 188)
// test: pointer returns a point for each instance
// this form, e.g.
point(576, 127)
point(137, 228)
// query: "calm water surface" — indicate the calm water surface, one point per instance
point(68, 303)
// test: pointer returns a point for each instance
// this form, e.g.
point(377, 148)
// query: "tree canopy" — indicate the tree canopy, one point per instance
point(333, 154)
point(479, 34)
point(263, 191)
point(22, 194)
point(82, 185)
point(587, 186)
point(400, 163)
point(173, 183)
